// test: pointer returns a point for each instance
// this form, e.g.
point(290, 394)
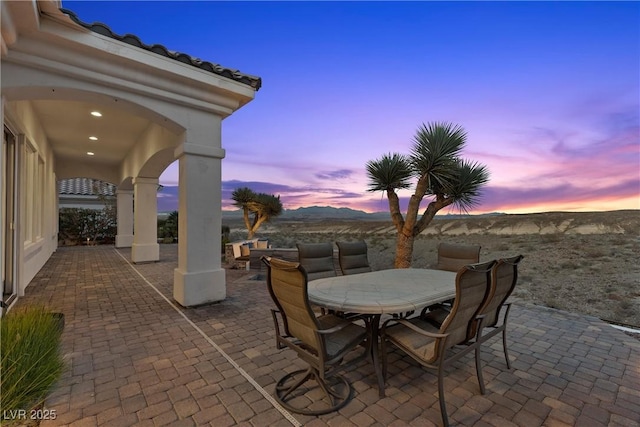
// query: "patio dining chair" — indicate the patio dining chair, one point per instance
point(322, 342)
point(317, 259)
point(431, 346)
point(352, 257)
point(504, 276)
point(454, 256)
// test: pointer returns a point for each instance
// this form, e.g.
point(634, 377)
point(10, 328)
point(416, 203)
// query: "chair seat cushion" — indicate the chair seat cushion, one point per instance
point(245, 250)
point(338, 341)
point(412, 342)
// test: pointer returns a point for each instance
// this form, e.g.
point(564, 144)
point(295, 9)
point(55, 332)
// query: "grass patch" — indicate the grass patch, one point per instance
point(31, 360)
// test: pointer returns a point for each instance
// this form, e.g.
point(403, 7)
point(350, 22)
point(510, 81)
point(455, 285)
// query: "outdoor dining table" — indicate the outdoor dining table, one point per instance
point(392, 292)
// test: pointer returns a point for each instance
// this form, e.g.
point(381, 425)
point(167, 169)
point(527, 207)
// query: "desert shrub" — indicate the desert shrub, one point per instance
point(551, 302)
point(31, 360)
point(569, 265)
point(375, 240)
point(525, 278)
point(619, 240)
point(594, 252)
point(624, 310)
point(552, 238)
point(625, 305)
point(504, 247)
point(614, 296)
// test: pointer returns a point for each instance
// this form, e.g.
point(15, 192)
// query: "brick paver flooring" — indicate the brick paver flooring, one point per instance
point(135, 357)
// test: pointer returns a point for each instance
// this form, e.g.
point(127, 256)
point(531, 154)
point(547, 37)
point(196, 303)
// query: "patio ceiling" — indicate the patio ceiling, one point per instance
point(69, 124)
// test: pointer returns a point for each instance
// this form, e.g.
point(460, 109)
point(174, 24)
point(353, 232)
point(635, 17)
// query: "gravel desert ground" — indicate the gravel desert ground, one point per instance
point(581, 262)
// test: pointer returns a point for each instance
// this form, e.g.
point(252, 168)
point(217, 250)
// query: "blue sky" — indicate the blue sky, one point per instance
point(548, 93)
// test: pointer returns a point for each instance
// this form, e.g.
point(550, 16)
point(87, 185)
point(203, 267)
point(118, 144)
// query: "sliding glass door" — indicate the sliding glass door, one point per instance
point(9, 175)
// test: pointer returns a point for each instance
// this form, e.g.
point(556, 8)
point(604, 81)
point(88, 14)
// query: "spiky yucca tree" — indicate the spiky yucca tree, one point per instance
point(440, 172)
point(262, 206)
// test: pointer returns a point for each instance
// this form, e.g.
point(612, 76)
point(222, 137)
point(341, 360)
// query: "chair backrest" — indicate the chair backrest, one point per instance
point(472, 285)
point(454, 256)
point(317, 259)
point(504, 276)
point(352, 257)
point(287, 283)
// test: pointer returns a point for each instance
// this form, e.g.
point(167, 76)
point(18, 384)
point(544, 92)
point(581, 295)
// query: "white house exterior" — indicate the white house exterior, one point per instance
point(156, 106)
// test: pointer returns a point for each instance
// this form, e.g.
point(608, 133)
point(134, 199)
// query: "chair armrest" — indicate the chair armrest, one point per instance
point(276, 324)
point(433, 307)
point(415, 328)
point(336, 328)
point(480, 318)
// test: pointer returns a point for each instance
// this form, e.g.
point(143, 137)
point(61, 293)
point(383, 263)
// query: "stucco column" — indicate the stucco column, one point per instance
point(199, 277)
point(145, 246)
point(124, 238)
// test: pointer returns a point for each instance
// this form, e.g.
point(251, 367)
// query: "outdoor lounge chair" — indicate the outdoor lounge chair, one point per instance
point(317, 259)
point(321, 342)
point(504, 276)
point(352, 257)
point(430, 346)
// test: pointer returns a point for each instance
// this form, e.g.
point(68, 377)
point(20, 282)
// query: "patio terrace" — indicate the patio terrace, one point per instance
point(135, 357)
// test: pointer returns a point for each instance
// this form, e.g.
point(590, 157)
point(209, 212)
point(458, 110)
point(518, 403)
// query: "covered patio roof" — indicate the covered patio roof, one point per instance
point(152, 107)
point(75, 52)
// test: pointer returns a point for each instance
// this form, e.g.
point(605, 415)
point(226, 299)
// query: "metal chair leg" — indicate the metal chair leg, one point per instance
point(443, 406)
point(504, 346)
point(337, 391)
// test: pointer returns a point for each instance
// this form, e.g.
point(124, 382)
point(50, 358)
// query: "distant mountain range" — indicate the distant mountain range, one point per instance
point(331, 213)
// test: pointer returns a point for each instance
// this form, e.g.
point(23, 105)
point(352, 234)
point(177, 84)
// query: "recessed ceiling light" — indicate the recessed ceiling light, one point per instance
point(90, 153)
point(93, 138)
point(96, 114)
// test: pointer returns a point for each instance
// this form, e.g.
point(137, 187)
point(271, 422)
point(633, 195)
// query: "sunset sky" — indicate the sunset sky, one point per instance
point(548, 93)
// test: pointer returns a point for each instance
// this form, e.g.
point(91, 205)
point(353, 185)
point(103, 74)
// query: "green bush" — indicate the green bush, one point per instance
point(78, 225)
point(161, 223)
point(170, 227)
point(31, 360)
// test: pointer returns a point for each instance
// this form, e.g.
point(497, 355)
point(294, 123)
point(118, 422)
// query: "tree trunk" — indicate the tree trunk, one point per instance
point(247, 223)
point(257, 222)
point(404, 250)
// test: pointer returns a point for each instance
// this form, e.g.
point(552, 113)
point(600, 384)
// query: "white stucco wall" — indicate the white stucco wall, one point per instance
point(36, 196)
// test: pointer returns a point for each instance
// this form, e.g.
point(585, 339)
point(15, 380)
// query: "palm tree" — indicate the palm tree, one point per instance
point(440, 172)
point(262, 206)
